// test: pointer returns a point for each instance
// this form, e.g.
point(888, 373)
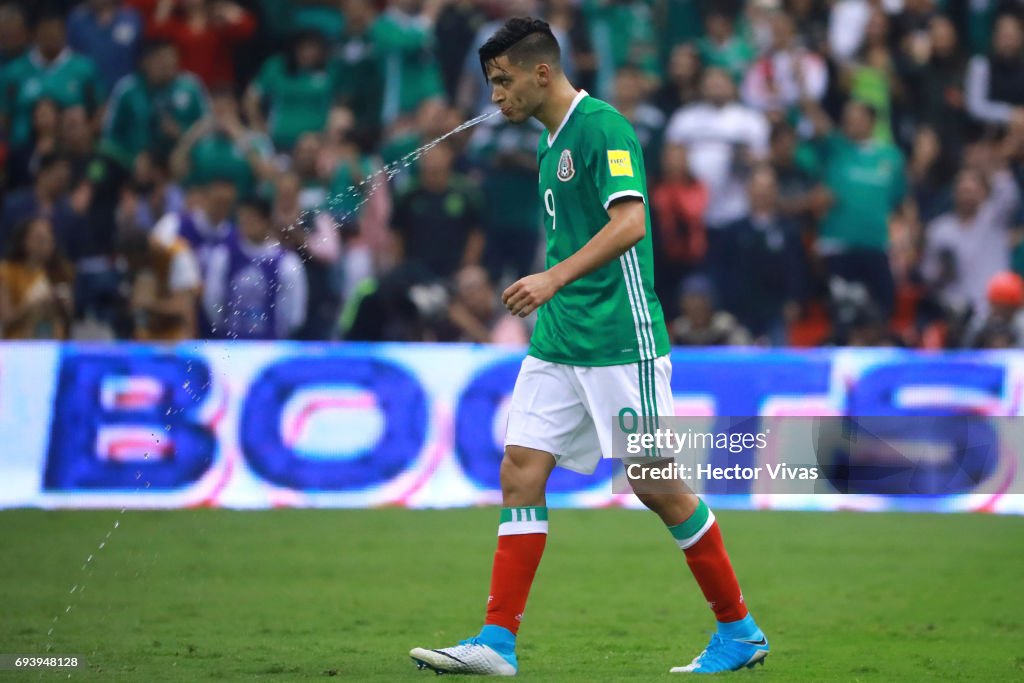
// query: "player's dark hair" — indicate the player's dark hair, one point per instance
point(524, 40)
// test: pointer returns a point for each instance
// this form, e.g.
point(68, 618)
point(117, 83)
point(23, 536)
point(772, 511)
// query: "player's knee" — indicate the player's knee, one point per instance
point(673, 508)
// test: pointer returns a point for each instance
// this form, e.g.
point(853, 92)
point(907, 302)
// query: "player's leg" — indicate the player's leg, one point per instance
point(738, 641)
point(646, 389)
point(522, 534)
point(546, 417)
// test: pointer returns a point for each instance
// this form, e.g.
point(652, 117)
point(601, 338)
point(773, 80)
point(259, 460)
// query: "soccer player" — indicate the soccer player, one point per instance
point(600, 347)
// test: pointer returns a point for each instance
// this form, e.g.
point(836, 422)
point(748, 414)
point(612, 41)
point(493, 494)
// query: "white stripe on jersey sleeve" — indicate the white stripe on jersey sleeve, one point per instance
point(620, 195)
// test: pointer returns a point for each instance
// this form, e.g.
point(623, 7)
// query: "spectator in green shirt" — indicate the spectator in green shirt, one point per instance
point(722, 46)
point(863, 184)
point(359, 71)
point(346, 155)
point(296, 90)
point(506, 153)
point(50, 69)
point(432, 121)
point(402, 42)
point(151, 109)
point(621, 33)
point(219, 146)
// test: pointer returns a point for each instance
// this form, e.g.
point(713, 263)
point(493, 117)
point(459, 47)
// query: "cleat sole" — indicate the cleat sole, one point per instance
point(421, 665)
point(760, 660)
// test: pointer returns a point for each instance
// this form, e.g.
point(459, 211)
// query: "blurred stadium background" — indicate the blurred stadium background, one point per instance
point(203, 305)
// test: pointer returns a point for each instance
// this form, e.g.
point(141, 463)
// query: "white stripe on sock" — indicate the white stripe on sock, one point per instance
point(517, 528)
point(685, 543)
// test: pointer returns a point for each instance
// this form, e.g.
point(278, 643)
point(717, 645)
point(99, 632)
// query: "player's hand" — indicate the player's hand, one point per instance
point(527, 294)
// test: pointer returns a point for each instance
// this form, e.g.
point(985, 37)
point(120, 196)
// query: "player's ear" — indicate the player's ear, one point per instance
point(542, 73)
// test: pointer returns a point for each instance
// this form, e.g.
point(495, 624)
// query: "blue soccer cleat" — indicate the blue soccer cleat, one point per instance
point(734, 646)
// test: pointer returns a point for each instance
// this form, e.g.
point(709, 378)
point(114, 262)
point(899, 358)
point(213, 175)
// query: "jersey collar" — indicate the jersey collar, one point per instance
point(36, 57)
point(572, 107)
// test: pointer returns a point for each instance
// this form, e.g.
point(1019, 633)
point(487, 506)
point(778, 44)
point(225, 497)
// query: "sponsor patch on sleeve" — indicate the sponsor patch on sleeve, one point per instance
point(619, 163)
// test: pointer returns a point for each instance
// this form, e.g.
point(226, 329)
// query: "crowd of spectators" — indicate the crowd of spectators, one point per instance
point(820, 172)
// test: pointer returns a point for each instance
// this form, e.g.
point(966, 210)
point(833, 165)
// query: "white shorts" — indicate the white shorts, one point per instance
point(567, 410)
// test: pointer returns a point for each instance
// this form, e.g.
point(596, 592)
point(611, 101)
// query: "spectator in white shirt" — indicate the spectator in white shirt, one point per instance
point(967, 246)
point(995, 82)
point(254, 289)
point(786, 73)
point(723, 138)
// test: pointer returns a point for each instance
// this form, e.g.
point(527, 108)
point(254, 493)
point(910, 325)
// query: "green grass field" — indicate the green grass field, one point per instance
point(287, 595)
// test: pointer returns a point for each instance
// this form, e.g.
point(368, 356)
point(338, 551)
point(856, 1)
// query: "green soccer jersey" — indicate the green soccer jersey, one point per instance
point(70, 79)
point(299, 100)
point(138, 115)
point(868, 183)
point(611, 316)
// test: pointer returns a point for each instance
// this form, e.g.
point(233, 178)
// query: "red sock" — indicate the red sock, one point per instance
point(711, 567)
point(701, 540)
point(521, 537)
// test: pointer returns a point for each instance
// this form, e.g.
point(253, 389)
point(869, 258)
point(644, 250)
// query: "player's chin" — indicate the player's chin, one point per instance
point(513, 115)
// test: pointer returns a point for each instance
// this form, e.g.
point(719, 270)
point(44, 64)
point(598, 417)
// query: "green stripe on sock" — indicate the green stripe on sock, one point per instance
point(691, 526)
point(537, 513)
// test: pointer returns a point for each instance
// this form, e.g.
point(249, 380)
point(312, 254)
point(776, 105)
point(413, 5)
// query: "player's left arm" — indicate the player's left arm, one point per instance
point(613, 162)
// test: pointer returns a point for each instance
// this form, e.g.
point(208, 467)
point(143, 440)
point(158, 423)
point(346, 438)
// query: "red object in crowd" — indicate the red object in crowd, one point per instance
point(207, 51)
point(1006, 289)
point(145, 8)
point(678, 209)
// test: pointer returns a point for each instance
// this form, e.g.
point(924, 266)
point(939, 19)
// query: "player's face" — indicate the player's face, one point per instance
point(514, 89)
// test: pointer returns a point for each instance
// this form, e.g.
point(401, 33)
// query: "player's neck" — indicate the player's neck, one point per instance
point(553, 111)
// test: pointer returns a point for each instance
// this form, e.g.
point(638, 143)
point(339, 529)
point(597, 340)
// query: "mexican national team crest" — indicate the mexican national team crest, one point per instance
point(565, 168)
